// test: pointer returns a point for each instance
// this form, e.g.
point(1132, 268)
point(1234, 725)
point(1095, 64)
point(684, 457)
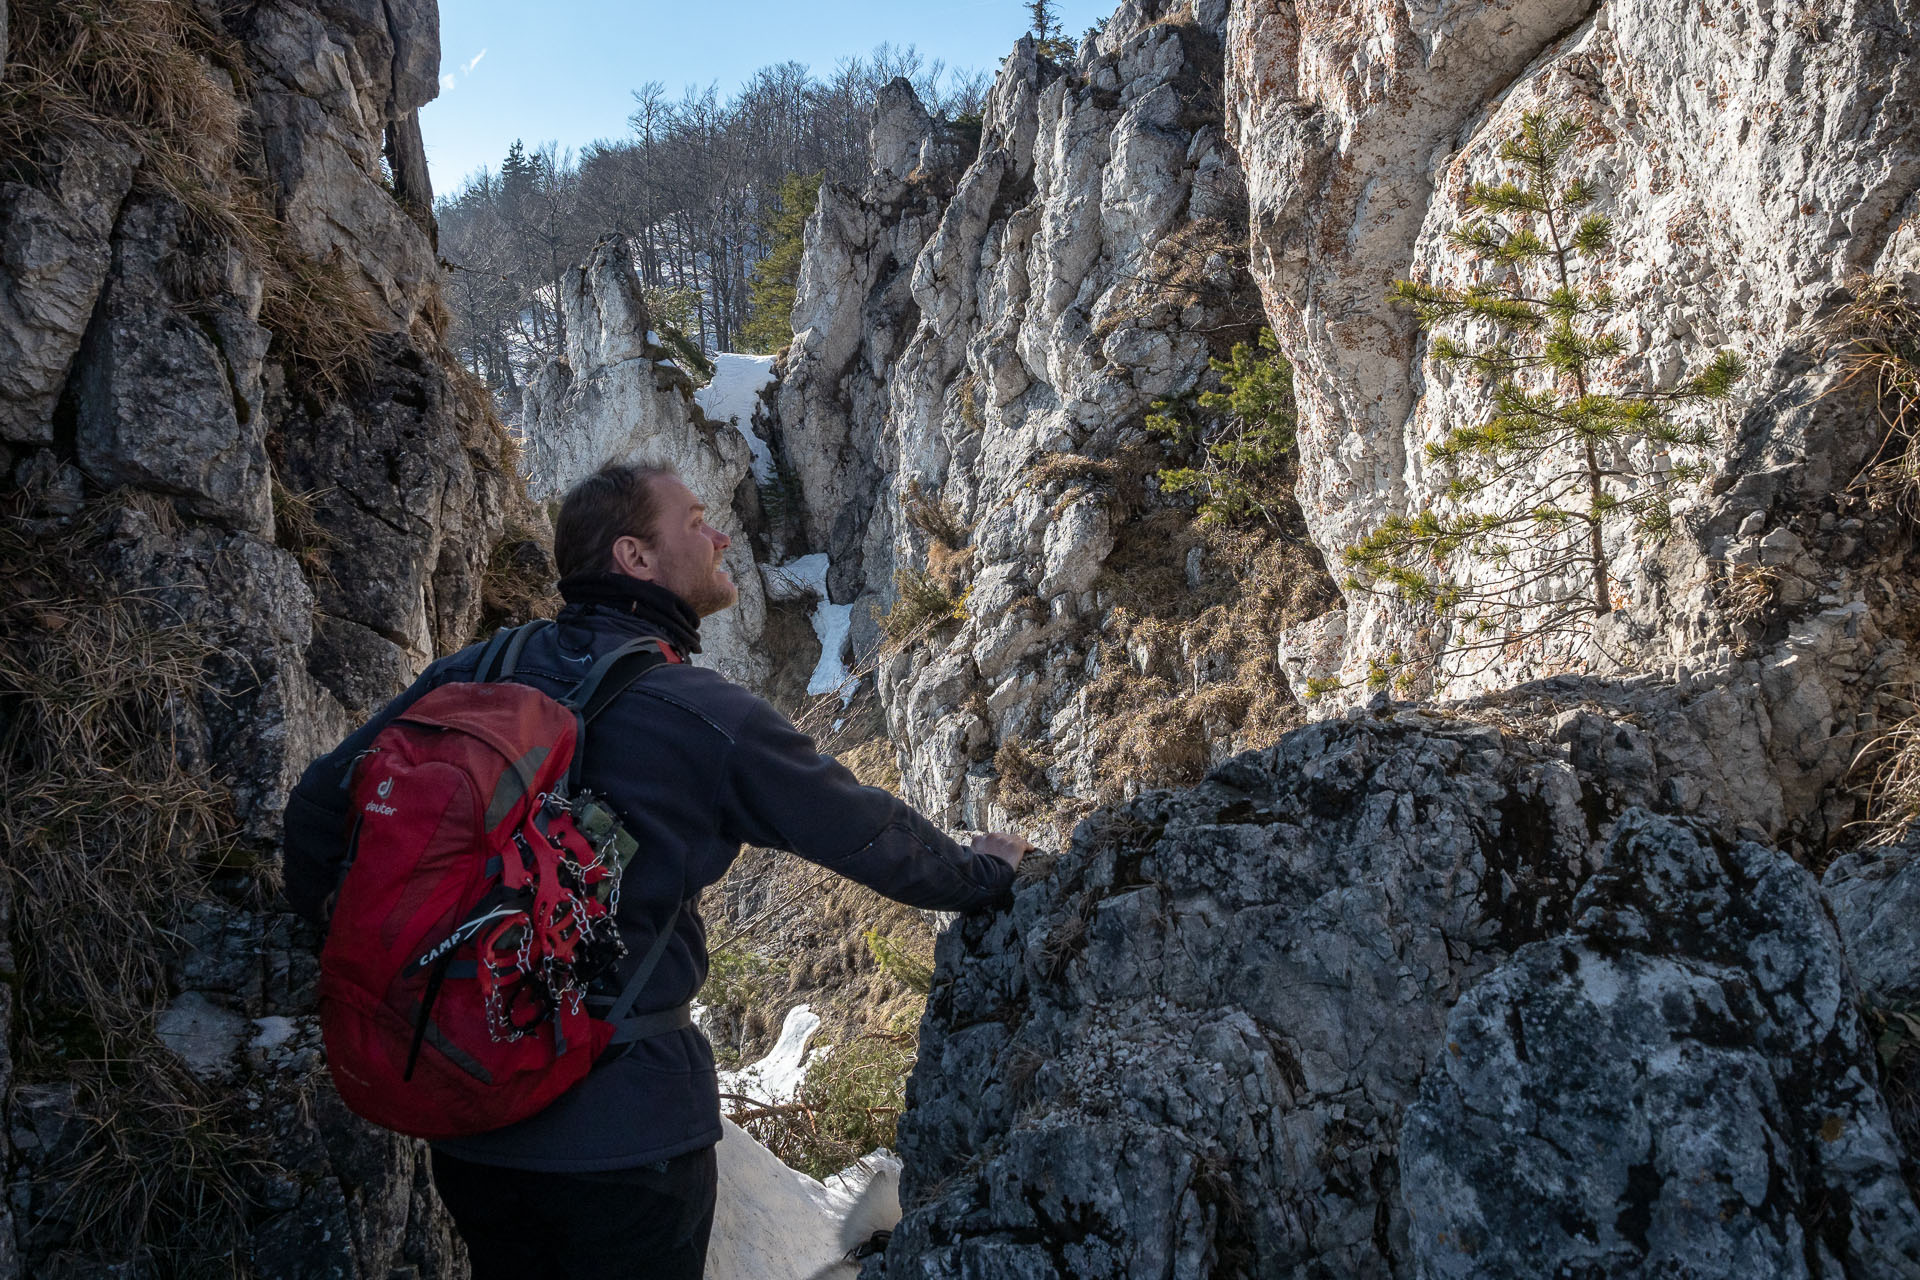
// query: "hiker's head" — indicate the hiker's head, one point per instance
point(640, 519)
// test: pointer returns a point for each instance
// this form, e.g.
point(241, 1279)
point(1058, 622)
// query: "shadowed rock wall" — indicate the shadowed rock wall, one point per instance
point(224, 374)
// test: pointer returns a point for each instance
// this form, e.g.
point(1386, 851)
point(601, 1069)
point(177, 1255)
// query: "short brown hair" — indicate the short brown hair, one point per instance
point(616, 501)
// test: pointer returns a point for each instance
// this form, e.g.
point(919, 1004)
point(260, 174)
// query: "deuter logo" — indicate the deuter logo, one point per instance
point(384, 790)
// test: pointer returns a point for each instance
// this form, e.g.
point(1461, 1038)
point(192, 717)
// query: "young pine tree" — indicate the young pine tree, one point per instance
point(1569, 444)
point(1241, 440)
point(776, 277)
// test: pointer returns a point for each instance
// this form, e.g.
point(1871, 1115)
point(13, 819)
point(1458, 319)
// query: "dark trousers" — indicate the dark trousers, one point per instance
point(650, 1222)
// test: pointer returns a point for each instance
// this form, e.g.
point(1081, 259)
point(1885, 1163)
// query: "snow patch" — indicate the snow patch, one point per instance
point(775, 1223)
point(731, 396)
point(271, 1032)
point(806, 578)
point(802, 579)
point(777, 1077)
point(833, 623)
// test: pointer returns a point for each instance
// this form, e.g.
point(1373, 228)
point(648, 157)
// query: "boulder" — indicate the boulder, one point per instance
point(1681, 1084)
point(1400, 995)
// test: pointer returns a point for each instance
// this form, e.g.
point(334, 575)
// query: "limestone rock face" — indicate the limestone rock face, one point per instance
point(619, 397)
point(1753, 165)
point(160, 403)
point(979, 338)
point(1399, 996)
point(55, 255)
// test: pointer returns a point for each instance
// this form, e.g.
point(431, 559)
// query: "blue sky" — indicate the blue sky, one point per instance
point(563, 70)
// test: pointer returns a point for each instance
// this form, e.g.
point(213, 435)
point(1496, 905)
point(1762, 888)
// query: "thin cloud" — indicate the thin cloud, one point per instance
point(476, 61)
point(447, 82)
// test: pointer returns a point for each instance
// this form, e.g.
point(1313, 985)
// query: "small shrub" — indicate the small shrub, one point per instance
point(1242, 437)
point(922, 602)
point(685, 351)
point(898, 961)
point(739, 984)
point(849, 1103)
point(934, 516)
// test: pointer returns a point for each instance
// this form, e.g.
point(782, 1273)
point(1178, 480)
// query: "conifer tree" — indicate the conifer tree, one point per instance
point(1241, 437)
point(1046, 21)
point(1048, 41)
point(1517, 548)
point(776, 277)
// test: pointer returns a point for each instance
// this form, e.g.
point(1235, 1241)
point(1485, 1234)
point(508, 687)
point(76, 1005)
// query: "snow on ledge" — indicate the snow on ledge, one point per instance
point(775, 1223)
point(806, 578)
point(731, 396)
point(833, 623)
point(777, 1077)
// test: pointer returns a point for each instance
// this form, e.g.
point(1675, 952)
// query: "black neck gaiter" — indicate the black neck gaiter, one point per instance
point(650, 601)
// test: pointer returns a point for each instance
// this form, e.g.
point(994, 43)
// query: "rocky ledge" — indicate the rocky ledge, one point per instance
point(1400, 996)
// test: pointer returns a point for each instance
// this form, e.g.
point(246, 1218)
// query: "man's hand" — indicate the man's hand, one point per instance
point(1003, 845)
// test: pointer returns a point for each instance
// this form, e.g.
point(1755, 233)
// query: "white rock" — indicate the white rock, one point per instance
point(202, 1034)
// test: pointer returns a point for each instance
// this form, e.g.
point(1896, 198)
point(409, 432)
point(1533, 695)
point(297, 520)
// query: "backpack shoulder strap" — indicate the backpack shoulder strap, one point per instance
point(609, 678)
point(490, 656)
point(510, 660)
point(615, 672)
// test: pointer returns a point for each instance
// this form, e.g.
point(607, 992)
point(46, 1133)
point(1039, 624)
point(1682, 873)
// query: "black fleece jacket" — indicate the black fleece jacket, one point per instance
point(698, 766)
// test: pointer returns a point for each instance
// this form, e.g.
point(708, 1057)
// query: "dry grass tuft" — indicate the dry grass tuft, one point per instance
point(1879, 336)
point(1750, 590)
point(322, 319)
point(1188, 674)
point(159, 77)
point(485, 436)
point(967, 400)
point(935, 516)
point(1203, 263)
point(297, 528)
point(1024, 788)
point(923, 603)
point(111, 835)
point(150, 73)
point(518, 584)
point(162, 1170)
point(1124, 475)
point(1892, 761)
point(874, 763)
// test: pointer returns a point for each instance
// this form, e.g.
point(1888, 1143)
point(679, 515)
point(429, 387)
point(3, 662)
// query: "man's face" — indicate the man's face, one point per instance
point(684, 554)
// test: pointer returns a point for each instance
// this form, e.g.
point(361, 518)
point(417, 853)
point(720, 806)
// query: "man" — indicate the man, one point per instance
point(617, 1177)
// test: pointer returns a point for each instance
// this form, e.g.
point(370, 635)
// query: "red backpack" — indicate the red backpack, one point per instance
point(477, 907)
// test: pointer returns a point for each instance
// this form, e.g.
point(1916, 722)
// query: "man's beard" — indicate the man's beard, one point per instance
point(713, 593)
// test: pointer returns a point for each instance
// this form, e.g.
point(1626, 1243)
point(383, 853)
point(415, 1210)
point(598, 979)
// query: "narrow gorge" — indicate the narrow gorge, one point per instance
point(1369, 939)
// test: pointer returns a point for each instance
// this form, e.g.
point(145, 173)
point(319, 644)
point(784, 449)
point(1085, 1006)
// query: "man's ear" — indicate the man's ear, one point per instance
point(633, 557)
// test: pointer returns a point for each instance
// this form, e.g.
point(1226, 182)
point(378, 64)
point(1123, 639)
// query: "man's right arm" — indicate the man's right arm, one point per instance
point(317, 820)
point(782, 793)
